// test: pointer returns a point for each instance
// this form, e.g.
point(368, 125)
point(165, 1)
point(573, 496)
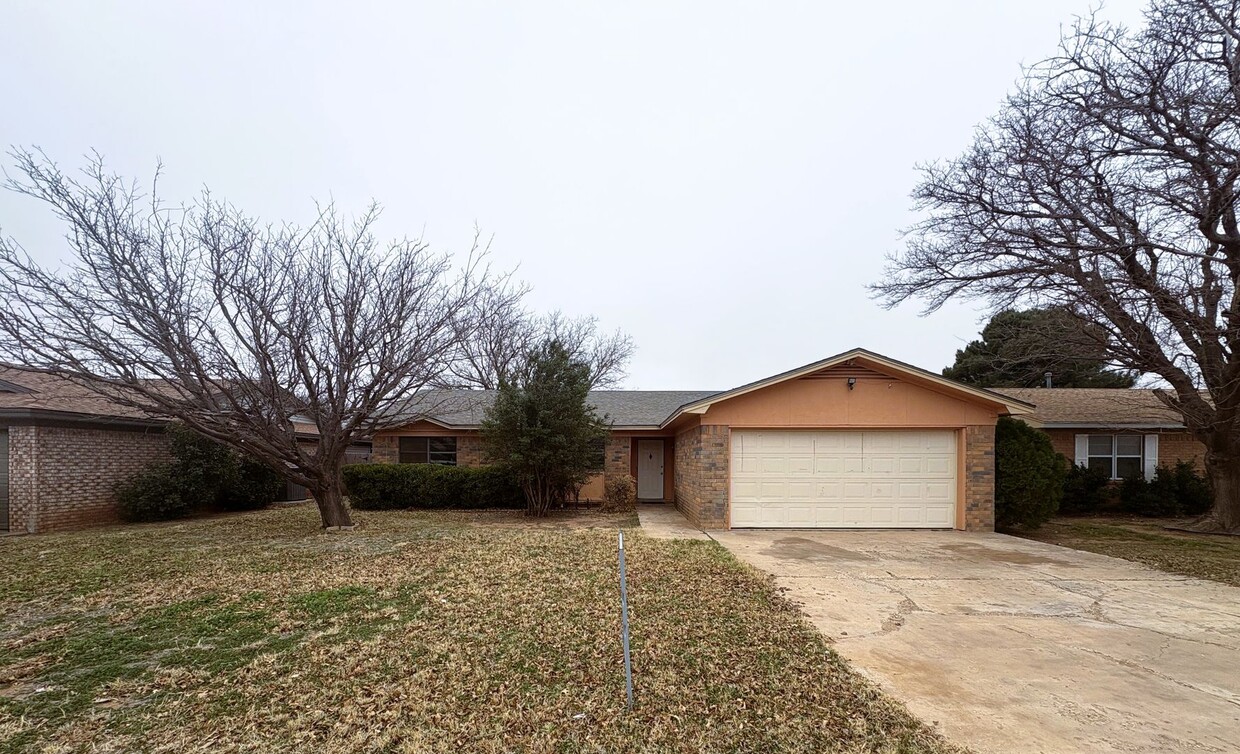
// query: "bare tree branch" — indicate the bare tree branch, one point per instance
point(201, 314)
point(1107, 187)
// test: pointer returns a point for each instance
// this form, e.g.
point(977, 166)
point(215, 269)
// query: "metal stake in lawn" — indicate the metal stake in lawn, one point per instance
point(624, 626)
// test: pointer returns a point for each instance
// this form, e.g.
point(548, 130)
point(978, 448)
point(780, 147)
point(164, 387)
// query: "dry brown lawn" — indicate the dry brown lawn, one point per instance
point(1148, 541)
point(420, 632)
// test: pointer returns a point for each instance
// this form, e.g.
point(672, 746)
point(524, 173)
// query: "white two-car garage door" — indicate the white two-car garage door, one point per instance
point(844, 479)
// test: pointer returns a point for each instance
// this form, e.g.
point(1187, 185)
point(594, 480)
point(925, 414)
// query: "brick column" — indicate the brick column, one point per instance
point(714, 465)
point(617, 457)
point(702, 477)
point(23, 479)
point(979, 482)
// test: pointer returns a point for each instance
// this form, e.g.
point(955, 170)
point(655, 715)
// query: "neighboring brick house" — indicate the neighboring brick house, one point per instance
point(1123, 431)
point(853, 441)
point(63, 448)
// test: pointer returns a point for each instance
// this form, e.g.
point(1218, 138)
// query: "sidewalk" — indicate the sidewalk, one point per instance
point(663, 521)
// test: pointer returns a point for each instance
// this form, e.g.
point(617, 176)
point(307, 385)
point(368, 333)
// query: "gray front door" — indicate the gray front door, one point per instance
point(4, 480)
point(649, 469)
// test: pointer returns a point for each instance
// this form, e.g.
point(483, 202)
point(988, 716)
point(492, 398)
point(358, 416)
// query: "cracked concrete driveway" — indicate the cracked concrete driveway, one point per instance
point(1010, 645)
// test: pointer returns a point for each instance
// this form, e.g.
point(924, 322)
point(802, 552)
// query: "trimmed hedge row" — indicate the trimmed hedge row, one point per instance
point(392, 486)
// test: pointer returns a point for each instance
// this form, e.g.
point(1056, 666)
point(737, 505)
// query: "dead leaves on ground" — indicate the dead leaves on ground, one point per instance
point(420, 632)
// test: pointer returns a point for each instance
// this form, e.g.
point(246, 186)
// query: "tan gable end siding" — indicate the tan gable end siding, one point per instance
point(1173, 446)
point(63, 477)
point(702, 475)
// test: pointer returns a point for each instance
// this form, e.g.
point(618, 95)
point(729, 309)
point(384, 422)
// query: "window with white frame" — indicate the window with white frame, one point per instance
point(1118, 455)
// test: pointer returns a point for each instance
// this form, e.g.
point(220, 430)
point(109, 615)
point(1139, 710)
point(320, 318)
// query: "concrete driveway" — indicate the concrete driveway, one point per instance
point(1017, 646)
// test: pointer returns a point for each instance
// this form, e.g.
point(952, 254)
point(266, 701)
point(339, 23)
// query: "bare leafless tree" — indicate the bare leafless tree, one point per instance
point(201, 314)
point(503, 335)
point(1107, 185)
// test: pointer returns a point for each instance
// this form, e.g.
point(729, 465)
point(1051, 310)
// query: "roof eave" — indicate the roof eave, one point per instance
point(46, 415)
point(1110, 425)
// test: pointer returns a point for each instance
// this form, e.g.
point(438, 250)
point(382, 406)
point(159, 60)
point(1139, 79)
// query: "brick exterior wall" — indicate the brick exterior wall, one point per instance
point(617, 457)
point(1172, 446)
point(702, 475)
point(62, 477)
point(979, 480)
point(469, 450)
point(385, 449)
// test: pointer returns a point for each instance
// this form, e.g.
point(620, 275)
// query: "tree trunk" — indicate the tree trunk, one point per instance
point(330, 497)
point(1224, 471)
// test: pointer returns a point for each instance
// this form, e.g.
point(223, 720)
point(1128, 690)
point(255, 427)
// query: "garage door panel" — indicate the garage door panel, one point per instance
point(836, 442)
point(745, 514)
point(801, 465)
point(882, 491)
point(882, 465)
point(844, 479)
point(910, 491)
point(830, 491)
point(801, 491)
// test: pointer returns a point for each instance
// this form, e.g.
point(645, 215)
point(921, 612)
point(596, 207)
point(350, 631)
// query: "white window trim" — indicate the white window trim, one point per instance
point(1148, 456)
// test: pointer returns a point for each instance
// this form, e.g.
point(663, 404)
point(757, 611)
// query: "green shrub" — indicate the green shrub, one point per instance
point(393, 486)
point(154, 494)
point(620, 493)
point(1029, 475)
point(1173, 492)
point(254, 485)
point(202, 476)
point(542, 428)
point(1192, 490)
point(1084, 490)
point(1148, 497)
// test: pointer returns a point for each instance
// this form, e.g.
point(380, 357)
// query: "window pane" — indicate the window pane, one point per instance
point(1104, 463)
point(598, 450)
point(442, 444)
point(1100, 445)
point(442, 451)
point(1128, 445)
point(1126, 467)
point(413, 450)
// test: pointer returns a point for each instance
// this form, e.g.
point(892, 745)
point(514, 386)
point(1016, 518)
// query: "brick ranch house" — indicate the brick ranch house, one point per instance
point(852, 441)
point(1122, 431)
point(855, 440)
point(63, 449)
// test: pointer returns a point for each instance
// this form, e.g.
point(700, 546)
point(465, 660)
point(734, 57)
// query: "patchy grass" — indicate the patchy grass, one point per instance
point(419, 632)
point(1144, 540)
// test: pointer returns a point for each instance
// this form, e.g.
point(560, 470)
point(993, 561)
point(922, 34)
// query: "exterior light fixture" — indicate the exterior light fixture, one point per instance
point(852, 382)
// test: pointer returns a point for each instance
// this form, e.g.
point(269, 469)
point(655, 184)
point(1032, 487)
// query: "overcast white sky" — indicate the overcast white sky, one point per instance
point(719, 179)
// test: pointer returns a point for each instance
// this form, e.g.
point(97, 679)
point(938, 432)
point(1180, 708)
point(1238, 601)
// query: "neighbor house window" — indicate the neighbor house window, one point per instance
point(598, 454)
point(437, 450)
point(1118, 455)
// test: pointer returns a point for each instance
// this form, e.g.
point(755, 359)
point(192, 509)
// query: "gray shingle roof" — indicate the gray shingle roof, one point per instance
point(1094, 406)
point(624, 408)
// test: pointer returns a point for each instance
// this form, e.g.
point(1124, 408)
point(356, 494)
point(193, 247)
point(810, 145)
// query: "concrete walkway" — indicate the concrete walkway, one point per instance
point(663, 521)
point(1009, 645)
